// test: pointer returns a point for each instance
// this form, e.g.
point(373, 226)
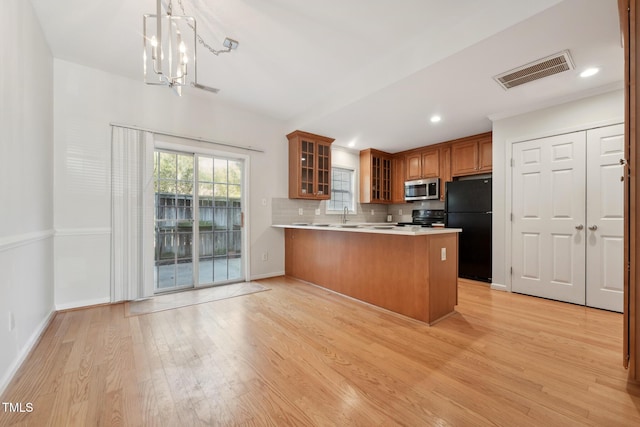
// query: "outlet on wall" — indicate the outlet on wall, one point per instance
point(265, 256)
point(300, 211)
point(318, 211)
point(399, 211)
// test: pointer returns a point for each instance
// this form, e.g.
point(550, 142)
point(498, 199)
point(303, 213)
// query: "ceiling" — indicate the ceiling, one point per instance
point(366, 72)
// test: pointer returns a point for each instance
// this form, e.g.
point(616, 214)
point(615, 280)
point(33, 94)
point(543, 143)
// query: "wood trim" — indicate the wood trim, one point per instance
point(623, 13)
point(312, 136)
point(628, 12)
point(634, 157)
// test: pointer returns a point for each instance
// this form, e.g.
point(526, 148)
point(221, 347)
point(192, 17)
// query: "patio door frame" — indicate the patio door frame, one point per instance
point(185, 146)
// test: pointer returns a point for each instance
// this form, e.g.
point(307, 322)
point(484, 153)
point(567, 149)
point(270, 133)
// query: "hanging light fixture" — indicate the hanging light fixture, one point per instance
point(170, 46)
point(167, 47)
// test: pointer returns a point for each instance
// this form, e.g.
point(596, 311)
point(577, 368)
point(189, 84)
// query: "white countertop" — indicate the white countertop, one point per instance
point(372, 228)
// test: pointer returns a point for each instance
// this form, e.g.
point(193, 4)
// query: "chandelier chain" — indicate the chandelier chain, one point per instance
point(200, 39)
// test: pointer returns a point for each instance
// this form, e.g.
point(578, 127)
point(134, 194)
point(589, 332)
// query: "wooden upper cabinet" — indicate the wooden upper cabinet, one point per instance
point(471, 156)
point(382, 173)
point(397, 179)
point(309, 166)
point(431, 163)
point(464, 158)
point(422, 164)
point(413, 166)
point(375, 176)
point(445, 169)
point(485, 155)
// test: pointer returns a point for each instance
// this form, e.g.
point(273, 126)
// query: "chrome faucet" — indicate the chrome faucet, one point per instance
point(345, 211)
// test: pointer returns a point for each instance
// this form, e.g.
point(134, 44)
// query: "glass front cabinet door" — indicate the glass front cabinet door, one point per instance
point(309, 166)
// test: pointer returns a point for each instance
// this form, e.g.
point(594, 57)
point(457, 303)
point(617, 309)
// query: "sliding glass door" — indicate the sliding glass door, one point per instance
point(219, 220)
point(173, 174)
point(198, 218)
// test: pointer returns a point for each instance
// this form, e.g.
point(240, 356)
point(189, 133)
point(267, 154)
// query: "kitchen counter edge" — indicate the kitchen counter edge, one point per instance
point(370, 229)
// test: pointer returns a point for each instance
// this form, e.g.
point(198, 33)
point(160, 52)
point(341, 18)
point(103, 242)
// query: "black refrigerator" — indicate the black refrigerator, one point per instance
point(468, 206)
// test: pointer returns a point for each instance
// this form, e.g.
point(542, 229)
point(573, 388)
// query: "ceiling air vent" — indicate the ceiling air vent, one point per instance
point(544, 67)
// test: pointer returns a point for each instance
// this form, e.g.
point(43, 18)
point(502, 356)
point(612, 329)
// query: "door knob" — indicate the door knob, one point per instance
point(593, 228)
point(579, 227)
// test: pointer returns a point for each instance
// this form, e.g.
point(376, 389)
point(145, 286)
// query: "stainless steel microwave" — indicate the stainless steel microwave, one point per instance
point(422, 189)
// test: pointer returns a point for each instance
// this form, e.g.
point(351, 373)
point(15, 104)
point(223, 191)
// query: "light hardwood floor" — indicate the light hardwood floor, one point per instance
point(300, 355)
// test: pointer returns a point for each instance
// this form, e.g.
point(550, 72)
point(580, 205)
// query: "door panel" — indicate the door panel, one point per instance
point(173, 181)
point(605, 217)
point(562, 270)
point(548, 256)
point(531, 256)
point(531, 187)
point(220, 212)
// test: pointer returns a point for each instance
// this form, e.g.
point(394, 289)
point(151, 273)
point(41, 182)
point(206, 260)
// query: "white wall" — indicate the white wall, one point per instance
point(86, 101)
point(26, 189)
point(599, 110)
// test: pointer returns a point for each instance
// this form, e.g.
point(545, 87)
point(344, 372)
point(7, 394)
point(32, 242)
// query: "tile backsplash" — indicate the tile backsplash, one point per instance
point(287, 211)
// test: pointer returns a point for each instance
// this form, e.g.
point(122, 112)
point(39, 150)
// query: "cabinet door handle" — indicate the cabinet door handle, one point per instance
point(593, 227)
point(579, 227)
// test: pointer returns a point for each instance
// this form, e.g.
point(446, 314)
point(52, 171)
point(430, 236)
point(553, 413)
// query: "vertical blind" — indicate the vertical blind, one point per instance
point(132, 215)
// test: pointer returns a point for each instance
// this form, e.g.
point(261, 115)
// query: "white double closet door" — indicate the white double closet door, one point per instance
point(567, 224)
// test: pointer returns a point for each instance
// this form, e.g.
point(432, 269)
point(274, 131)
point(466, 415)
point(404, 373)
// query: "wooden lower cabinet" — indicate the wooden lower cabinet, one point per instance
point(404, 274)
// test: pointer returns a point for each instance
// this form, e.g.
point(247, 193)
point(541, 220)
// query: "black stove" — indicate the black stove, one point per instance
point(424, 217)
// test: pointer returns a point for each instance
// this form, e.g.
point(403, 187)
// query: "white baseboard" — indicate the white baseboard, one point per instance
point(267, 275)
point(81, 304)
point(499, 287)
point(26, 350)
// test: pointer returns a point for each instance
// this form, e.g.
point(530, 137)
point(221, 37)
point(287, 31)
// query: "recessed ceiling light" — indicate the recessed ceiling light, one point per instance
point(589, 72)
point(352, 143)
point(435, 119)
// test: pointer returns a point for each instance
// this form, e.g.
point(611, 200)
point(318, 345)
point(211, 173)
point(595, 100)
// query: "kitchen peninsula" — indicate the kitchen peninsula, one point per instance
point(409, 270)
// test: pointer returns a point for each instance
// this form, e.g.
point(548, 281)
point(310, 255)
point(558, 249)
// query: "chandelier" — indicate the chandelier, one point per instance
point(170, 47)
